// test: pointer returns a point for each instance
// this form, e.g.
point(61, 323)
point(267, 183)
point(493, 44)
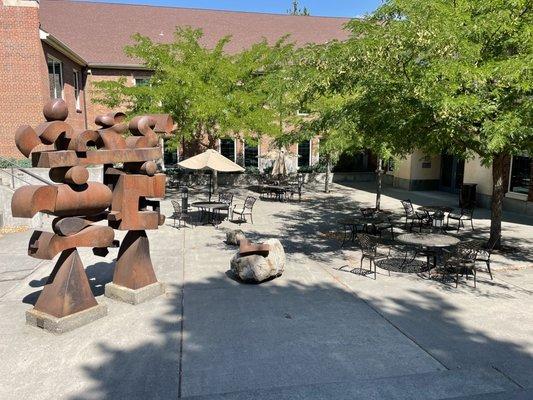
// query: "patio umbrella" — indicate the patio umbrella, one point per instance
point(212, 160)
point(280, 166)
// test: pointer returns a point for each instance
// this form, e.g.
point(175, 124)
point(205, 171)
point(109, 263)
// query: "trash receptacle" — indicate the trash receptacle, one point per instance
point(184, 199)
point(467, 197)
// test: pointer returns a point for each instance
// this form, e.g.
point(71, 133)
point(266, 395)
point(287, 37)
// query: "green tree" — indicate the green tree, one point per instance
point(445, 75)
point(296, 10)
point(209, 92)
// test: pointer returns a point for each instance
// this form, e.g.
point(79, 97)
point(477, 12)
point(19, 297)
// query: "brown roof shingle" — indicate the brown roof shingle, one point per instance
point(98, 32)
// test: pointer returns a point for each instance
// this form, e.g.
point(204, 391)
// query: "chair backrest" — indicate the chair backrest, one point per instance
point(366, 242)
point(469, 212)
point(177, 206)
point(467, 251)
point(226, 198)
point(368, 212)
point(249, 202)
point(408, 207)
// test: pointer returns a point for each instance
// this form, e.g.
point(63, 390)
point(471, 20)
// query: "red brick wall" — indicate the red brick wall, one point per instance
point(22, 87)
point(76, 117)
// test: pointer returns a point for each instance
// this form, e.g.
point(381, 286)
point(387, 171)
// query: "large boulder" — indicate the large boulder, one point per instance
point(234, 237)
point(258, 268)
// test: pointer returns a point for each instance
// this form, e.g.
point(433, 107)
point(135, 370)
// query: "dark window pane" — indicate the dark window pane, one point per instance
point(227, 148)
point(250, 156)
point(520, 175)
point(304, 156)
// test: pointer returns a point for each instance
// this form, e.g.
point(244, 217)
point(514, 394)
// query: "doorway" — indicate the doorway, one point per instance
point(452, 173)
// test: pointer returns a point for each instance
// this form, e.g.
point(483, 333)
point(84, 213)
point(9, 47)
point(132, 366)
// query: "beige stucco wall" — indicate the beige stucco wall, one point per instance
point(403, 168)
point(411, 167)
point(477, 173)
point(418, 158)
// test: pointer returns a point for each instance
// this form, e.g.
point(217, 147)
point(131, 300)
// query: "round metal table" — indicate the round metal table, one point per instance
point(432, 209)
point(350, 224)
point(433, 242)
point(428, 239)
point(211, 209)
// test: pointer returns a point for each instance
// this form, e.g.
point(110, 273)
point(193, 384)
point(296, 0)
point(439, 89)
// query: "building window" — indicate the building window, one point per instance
point(55, 77)
point(141, 81)
point(304, 154)
point(520, 178)
point(77, 86)
point(227, 148)
point(251, 154)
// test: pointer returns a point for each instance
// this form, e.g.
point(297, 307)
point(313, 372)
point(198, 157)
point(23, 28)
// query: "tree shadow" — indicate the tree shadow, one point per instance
point(314, 333)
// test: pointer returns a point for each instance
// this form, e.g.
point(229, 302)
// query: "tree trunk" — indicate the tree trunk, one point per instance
point(498, 192)
point(328, 173)
point(379, 176)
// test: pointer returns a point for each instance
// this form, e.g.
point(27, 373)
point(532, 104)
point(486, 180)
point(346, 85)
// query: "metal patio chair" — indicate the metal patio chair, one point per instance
point(370, 249)
point(179, 215)
point(227, 198)
point(461, 260)
point(421, 218)
point(247, 209)
point(466, 214)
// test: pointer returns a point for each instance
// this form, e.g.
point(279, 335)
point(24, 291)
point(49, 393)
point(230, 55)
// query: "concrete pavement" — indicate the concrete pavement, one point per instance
point(315, 333)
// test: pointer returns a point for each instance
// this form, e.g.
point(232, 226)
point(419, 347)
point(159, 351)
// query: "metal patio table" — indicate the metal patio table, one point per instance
point(432, 243)
point(350, 224)
point(435, 208)
point(210, 210)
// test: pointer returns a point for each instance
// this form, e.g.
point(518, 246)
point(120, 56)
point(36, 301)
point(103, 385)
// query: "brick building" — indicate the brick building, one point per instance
point(59, 48)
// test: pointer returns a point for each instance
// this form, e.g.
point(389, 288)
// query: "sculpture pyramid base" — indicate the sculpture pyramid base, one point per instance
point(134, 296)
point(53, 324)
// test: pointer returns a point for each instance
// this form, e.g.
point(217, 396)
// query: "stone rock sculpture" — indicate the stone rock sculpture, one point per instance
point(258, 262)
point(233, 237)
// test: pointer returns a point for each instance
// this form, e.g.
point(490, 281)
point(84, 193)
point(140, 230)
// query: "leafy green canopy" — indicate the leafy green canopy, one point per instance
point(207, 91)
point(444, 75)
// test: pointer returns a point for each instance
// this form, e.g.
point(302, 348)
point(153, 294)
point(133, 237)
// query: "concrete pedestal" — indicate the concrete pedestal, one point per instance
point(65, 324)
point(132, 296)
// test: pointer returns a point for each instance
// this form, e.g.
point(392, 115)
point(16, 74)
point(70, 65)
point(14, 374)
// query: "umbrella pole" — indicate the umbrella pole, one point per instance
point(210, 179)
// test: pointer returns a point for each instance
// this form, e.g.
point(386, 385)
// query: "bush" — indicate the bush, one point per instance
point(15, 162)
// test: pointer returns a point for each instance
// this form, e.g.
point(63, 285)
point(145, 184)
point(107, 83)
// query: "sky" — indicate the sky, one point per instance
point(330, 8)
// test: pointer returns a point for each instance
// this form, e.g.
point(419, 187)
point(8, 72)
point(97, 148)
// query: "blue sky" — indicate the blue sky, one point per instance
point(333, 8)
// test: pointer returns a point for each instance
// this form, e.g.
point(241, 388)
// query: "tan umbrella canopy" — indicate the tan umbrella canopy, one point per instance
point(213, 160)
point(280, 164)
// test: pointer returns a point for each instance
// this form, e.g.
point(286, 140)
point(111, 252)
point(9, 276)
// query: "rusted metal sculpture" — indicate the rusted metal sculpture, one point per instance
point(124, 200)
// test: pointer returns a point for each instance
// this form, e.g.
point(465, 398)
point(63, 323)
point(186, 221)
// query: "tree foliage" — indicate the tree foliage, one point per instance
point(208, 91)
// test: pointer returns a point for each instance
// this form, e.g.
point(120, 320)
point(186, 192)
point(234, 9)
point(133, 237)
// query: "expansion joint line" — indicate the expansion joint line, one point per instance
point(378, 312)
point(182, 315)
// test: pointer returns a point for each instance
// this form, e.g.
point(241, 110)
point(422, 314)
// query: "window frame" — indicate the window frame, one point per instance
point(234, 158)
point(141, 78)
point(244, 154)
point(513, 194)
point(61, 80)
point(310, 162)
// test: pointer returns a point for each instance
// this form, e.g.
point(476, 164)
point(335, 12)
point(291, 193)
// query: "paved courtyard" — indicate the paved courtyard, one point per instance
point(318, 332)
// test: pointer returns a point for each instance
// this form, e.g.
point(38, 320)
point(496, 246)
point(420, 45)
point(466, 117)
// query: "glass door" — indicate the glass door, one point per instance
point(452, 173)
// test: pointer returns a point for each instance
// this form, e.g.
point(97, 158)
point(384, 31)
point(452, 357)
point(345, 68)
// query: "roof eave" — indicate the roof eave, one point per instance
point(118, 66)
point(55, 43)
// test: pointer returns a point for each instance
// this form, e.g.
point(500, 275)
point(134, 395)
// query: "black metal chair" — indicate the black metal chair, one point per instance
point(179, 215)
point(369, 249)
point(422, 218)
point(461, 260)
point(377, 227)
point(484, 252)
point(466, 214)
point(247, 209)
point(227, 198)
